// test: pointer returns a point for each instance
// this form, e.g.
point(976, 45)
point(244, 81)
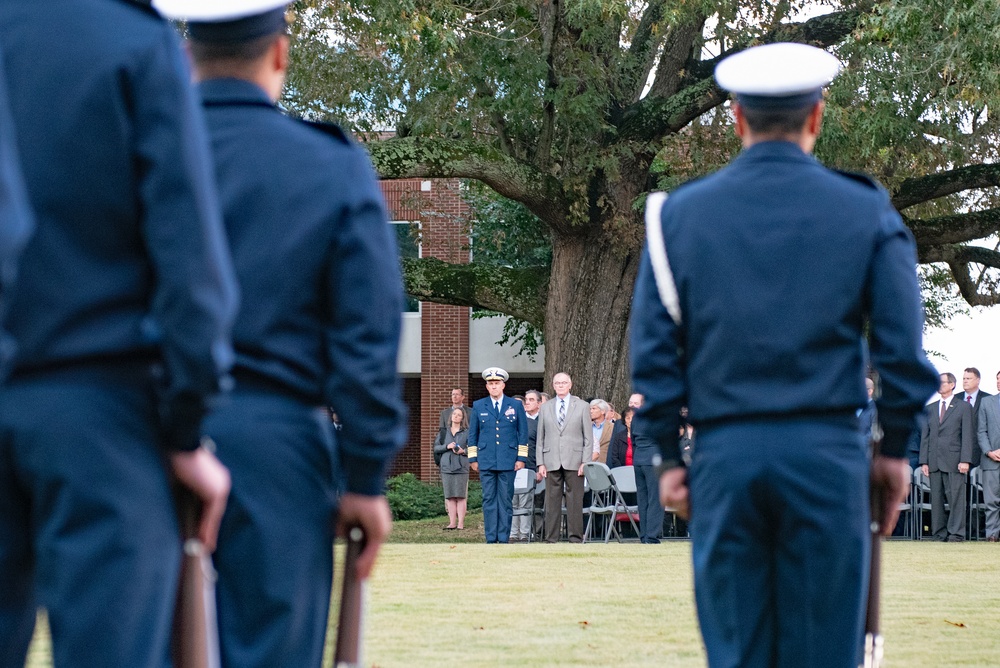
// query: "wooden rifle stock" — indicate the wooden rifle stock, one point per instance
point(195, 642)
point(348, 652)
point(874, 643)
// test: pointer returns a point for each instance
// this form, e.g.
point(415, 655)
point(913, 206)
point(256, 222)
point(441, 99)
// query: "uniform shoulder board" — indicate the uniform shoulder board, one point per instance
point(861, 178)
point(330, 129)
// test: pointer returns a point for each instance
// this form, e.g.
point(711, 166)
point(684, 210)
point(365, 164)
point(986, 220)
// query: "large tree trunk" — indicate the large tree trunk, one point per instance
point(586, 319)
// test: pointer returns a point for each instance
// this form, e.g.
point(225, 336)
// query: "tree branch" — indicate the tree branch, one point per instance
point(959, 260)
point(548, 18)
point(520, 293)
point(654, 117)
point(676, 56)
point(642, 51)
point(933, 186)
point(955, 229)
point(422, 157)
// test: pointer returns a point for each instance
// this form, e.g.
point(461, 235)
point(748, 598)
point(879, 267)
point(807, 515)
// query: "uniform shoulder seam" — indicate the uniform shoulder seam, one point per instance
point(330, 129)
point(145, 7)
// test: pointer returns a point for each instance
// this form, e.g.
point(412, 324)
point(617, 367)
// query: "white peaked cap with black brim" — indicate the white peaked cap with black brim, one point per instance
point(495, 373)
point(227, 20)
point(785, 75)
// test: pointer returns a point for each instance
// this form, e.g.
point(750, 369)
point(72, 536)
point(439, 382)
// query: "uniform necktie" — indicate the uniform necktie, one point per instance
point(562, 413)
point(496, 406)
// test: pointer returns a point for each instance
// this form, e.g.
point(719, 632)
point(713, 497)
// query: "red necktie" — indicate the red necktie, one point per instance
point(968, 398)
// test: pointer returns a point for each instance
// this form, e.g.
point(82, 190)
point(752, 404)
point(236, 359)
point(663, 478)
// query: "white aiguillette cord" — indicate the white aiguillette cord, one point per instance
point(665, 284)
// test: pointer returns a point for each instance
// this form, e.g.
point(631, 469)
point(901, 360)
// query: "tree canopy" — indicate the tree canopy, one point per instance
point(569, 111)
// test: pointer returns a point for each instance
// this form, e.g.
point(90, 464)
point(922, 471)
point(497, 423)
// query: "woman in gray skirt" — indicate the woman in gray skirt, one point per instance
point(451, 445)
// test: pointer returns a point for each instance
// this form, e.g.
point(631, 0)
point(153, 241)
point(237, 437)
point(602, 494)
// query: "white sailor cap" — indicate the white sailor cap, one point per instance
point(495, 373)
point(227, 20)
point(778, 76)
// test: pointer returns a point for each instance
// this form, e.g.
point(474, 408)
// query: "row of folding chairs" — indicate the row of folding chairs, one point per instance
point(607, 489)
point(916, 510)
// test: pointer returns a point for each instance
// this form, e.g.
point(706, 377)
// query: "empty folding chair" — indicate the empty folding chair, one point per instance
point(976, 505)
point(624, 480)
point(598, 477)
point(524, 484)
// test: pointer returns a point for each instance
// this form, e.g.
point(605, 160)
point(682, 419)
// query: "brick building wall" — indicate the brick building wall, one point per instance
point(408, 460)
point(443, 216)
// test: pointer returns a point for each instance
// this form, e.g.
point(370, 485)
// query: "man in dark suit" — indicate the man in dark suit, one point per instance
point(523, 525)
point(972, 395)
point(318, 326)
point(945, 452)
point(121, 314)
point(498, 446)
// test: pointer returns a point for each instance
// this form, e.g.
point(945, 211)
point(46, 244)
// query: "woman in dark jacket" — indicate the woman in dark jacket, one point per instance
point(451, 445)
point(620, 450)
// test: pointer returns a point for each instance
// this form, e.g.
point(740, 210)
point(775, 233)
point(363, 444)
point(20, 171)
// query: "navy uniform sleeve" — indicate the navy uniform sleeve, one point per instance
point(522, 432)
point(896, 331)
point(366, 305)
point(657, 367)
point(473, 440)
point(16, 218)
point(196, 295)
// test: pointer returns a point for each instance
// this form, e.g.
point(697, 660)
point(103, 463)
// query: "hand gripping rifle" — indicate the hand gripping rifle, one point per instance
point(348, 652)
point(195, 642)
point(874, 642)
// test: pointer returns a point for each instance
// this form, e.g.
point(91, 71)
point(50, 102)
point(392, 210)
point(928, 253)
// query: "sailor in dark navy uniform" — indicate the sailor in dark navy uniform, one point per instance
point(121, 314)
point(16, 219)
point(498, 446)
point(318, 326)
point(750, 308)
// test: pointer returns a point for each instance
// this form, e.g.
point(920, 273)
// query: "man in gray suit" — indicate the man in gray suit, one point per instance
point(945, 452)
point(989, 465)
point(563, 444)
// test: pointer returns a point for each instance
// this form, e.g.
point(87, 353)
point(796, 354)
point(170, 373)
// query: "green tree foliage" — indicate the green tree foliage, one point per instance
point(568, 112)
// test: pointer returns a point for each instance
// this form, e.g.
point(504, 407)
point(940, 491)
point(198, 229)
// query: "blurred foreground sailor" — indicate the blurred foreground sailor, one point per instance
point(498, 446)
point(16, 219)
point(121, 314)
point(750, 307)
point(319, 326)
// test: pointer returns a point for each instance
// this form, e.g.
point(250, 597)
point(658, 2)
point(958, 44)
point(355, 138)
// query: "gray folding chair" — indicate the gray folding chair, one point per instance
point(921, 502)
point(906, 510)
point(624, 480)
point(977, 504)
point(598, 478)
point(524, 484)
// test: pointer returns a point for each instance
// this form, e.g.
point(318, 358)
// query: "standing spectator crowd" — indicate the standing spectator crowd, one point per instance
point(562, 434)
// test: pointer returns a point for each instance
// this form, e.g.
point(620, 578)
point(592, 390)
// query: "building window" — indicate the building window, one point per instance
point(408, 240)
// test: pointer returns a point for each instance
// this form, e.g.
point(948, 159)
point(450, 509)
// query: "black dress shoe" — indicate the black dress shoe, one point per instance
point(956, 539)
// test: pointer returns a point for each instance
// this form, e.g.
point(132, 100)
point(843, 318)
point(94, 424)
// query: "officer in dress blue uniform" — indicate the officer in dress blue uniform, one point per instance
point(16, 219)
point(319, 326)
point(498, 446)
point(121, 315)
point(750, 307)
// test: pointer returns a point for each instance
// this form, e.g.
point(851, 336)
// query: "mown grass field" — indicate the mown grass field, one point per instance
point(445, 599)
